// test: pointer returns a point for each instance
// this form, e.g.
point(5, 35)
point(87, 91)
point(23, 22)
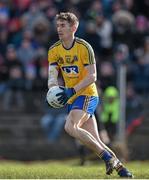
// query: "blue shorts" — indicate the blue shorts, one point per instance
point(85, 103)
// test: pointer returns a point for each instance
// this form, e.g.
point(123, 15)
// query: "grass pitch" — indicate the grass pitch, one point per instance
point(65, 170)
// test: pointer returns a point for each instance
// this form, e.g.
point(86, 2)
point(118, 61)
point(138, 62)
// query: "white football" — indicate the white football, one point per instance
point(52, 98)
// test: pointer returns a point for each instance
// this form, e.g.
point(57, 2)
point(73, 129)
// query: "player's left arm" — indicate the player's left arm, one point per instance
point(88, 59)
point(90, 78)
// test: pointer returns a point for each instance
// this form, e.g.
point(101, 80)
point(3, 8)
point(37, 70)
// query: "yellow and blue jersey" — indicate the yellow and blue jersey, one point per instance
point(72, 62)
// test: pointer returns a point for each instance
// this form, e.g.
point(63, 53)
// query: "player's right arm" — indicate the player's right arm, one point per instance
point(52, 76)
point(53, 68)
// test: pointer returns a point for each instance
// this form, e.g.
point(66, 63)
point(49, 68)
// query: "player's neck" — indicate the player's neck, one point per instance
point(68, 43)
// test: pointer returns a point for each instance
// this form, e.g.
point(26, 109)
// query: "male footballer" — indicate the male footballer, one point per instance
point(74, 57)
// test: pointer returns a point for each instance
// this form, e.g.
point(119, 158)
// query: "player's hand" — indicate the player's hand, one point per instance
point(66, 94)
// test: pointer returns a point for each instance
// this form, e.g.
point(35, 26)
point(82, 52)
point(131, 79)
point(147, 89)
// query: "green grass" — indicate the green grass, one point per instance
point(65, 170)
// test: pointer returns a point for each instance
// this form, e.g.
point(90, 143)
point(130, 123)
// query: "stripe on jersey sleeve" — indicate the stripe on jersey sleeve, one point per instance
point(89, 49)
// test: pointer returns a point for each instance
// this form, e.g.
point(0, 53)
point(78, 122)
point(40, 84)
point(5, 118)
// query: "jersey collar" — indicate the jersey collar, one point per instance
point(71, 45)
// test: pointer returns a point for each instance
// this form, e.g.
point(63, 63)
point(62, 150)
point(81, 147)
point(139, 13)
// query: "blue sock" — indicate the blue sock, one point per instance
point(123, 172)
point(105, 155)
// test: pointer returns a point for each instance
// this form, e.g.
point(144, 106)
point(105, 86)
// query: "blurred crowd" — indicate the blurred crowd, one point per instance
point(118, 31)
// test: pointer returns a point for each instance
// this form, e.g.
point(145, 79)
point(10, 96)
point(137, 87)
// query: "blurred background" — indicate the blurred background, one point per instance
point(118, 31)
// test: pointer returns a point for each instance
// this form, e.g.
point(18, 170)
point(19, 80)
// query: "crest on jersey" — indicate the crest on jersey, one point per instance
point(60, 60)
point(68, 59)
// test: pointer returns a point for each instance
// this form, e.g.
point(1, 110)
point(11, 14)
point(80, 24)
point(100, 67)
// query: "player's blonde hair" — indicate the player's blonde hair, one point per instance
point(69, 17)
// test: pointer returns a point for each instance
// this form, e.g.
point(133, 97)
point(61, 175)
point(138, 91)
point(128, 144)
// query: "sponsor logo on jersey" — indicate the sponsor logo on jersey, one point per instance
point(70, 69)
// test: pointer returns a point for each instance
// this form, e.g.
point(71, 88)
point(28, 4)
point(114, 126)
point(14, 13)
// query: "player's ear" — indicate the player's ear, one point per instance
point(74, 28)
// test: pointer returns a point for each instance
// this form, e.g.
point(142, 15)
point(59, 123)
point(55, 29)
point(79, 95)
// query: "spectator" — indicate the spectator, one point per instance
point(15, 31)
point(15, 79)
point(130, 5)
point(123, 22)
point(94, 9)
point(26, 53)
point(52, 125)
point(140, 75)
point(104, 30)
point(107, 74)
point(32, 15)
point(41, 31)
point(141, 31)
point(134, 104)
point(121, 55)
point(110, 111)
point(91, 36)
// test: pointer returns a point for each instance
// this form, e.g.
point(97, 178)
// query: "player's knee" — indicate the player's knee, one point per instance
point(76, 128)
point(70, 125)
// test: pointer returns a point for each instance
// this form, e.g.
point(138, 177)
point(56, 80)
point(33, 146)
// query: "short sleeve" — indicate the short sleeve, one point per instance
point(52, 56)
point(88, 53)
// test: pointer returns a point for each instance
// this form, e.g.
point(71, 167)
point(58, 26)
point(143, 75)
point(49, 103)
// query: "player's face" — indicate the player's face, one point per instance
point(64, 30)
